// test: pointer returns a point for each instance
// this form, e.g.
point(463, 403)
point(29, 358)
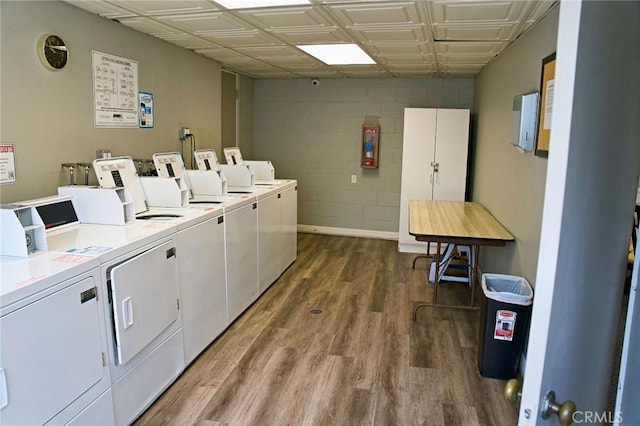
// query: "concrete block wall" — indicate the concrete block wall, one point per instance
point(314, 134)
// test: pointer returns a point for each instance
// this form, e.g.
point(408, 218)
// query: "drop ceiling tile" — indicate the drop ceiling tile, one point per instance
point(254, 65)
point(268, 74)
point(390, 34)
point(149, 26)
point(291, 18)
point(377, 13)
point(466, 59)
point(472, 48)
point(207, 23)
point(312, 36)
point(469, 68)
point(368, 73)
point(400, 49)
point(457, 74)
point(317, 73)
point(539, 9)
point(239, 39)
point(342, 1)
point(404, 60)
point(413, 72)
point(221, 54)
point(163, 7)
point(489, 32)
point(476, 11)
point(102, 8)
point(280, 55)
point(246, 63)
point(188, 41)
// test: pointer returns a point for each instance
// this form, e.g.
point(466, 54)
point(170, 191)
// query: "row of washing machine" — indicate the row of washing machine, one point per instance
point(102, 310)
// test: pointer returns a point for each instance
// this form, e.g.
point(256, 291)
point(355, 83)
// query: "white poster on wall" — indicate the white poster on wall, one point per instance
point(115, 91)
point(7, 163)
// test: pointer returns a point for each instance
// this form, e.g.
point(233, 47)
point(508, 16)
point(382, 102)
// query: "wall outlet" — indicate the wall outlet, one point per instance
point(184, 132)
point(354, 178)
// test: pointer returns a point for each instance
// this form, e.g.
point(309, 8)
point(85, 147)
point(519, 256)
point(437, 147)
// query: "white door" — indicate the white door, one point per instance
point(452, 136)
point(145, 298)
point(590, 193)
point(418, 150)
point(629, 394)
point(50, 354)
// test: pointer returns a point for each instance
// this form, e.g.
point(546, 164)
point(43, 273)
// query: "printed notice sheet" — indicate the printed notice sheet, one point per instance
point(115, 91)
point(7, 163)
point(146, 109)
point(548, 106)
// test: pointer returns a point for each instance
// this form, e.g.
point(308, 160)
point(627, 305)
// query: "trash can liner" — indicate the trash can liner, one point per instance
point(507, 288)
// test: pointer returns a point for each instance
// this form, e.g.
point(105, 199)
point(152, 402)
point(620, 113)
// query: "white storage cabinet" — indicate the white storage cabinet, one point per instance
point(434, 162)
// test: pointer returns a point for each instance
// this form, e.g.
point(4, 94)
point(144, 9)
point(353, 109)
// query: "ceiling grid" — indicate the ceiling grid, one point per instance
point(439, 38)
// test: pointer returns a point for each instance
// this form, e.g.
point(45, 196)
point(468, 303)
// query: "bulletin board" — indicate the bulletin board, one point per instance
point(547, 85)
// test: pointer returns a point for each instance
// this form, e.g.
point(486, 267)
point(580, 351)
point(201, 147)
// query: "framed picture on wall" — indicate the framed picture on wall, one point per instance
point(547, 84)
point(370, 146)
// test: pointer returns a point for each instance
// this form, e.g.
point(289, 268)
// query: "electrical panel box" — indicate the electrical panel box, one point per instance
point(525, 118)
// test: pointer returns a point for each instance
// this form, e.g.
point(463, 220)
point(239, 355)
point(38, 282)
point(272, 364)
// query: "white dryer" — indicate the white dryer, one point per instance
point(140, 297)
point(53, 346)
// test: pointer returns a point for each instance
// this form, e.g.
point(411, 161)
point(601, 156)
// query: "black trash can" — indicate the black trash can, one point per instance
point(504, 324)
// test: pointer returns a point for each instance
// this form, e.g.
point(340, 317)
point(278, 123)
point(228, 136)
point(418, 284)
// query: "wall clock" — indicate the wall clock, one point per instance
point(53, 52)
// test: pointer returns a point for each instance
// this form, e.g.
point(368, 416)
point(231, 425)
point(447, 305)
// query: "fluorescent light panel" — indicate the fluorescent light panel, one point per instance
point(338, 54)
point(250, 4)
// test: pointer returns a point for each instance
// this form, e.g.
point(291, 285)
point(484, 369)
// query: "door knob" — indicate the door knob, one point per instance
point(511, 391)
point(564, 411)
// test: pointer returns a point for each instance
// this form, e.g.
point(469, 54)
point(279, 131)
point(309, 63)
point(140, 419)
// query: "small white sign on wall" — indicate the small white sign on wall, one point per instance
point(146, 110)
point(7, 163)
point(115, 91)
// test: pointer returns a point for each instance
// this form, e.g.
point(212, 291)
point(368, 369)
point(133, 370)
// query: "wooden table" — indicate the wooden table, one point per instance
point(455, 222)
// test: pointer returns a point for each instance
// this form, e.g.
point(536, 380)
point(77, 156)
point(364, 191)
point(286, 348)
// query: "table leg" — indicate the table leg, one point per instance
point(475, 260)
point(422, 256)
point(436, 278)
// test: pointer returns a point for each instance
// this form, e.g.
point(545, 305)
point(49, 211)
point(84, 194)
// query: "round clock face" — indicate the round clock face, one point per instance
point(52, 51)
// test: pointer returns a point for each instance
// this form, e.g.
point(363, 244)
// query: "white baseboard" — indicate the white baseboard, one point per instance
point(347, 232)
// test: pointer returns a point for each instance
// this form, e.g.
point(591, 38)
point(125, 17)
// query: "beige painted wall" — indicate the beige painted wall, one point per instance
point(509, 183)
point(49, 115)
point(313, 134)
point(245, 116)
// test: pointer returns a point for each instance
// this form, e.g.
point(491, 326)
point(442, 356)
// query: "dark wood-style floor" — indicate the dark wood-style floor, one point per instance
point(362, 360)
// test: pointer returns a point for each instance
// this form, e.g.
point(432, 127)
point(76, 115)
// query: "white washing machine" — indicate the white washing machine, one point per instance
point(277, 238)
point(277, 212)
point(241, 251)
point(240, 224)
